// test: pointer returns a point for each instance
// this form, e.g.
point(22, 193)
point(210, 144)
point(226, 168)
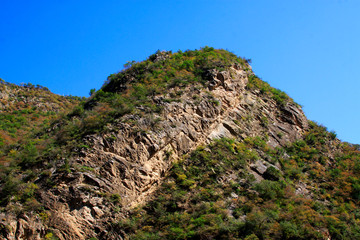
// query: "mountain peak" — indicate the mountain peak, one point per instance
point(192, 135)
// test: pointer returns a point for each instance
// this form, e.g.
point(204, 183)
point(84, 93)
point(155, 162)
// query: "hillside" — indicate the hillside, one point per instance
point(26, 109)
point(185, 145)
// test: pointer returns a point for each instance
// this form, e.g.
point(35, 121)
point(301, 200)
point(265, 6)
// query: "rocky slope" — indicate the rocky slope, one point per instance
point(137, 136)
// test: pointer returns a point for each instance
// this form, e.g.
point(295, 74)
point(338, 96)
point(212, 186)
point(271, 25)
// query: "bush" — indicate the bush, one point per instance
point(10, 186)
point(269, 189)
point(115, 198)
point(289, 230)
point(272, 173)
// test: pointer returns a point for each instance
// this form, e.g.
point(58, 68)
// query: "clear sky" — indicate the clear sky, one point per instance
point(307, 48)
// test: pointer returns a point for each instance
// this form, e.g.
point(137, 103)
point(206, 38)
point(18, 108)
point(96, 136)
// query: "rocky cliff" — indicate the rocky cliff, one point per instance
point(109, 170)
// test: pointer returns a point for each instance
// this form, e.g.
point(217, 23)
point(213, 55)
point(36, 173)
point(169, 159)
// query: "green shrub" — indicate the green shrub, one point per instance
point(272, 173)
point(269, 189)
point(10, 187)
point(115, 198)
point(289, 230)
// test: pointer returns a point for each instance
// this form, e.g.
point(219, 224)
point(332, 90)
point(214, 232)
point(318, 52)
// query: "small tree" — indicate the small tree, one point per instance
point(92, 91)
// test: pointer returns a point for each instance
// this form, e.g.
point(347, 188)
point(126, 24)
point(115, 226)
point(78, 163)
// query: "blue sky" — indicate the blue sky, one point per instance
point(307, 48)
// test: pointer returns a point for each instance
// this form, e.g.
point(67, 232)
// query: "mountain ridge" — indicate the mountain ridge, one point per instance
point(159, 125)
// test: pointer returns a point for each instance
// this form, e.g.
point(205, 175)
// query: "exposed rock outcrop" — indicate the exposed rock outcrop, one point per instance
point(128, 163)
point(125, 165)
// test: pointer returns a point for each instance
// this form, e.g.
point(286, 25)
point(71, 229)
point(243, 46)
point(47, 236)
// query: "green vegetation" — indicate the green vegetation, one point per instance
point(211, 194)
point(310, 191)
point(26, 142)
point(25, 112)
point(279, 96)
point(133, 90)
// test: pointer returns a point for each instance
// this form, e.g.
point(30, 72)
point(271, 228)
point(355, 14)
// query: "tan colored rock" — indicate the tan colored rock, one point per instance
point(134, 163)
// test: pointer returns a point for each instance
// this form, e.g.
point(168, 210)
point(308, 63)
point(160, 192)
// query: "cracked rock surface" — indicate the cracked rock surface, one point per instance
point(127, 164)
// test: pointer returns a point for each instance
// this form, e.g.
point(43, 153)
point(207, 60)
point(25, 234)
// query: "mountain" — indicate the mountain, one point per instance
point(185, 145)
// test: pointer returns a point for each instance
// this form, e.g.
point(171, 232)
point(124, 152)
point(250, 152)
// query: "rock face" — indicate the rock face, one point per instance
point(125, 166)
point(136, 160)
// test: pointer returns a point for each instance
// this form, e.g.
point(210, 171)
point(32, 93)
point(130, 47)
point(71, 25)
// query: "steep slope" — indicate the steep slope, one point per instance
point(186, 145)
